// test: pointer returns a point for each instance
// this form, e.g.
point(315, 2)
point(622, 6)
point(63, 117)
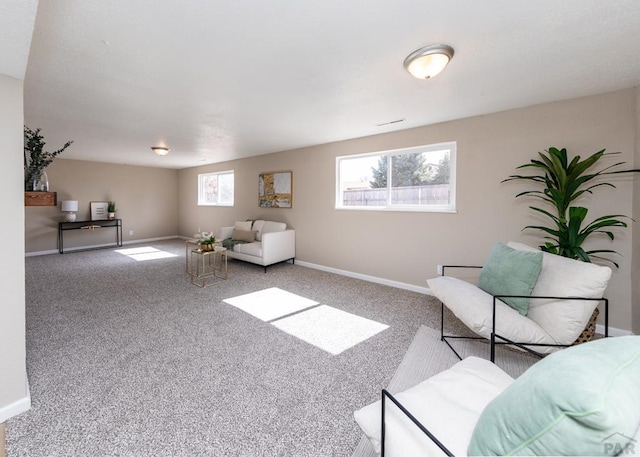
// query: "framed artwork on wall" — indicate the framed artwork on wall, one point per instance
point(99, 211)
point(275, 189)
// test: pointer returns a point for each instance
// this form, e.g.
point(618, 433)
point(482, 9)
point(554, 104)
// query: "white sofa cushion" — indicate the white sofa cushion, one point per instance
point(254, 248)
point(270, 226)
point(455, 396)
point(560, 276)
point(258, 225)
point(474, 307)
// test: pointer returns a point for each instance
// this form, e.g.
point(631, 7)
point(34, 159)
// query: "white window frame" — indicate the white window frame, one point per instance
point(450, 208)
point(201, 200)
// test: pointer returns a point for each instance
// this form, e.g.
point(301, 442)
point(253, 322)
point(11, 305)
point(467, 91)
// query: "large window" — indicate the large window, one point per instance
point(216, 188)
point(413, 179)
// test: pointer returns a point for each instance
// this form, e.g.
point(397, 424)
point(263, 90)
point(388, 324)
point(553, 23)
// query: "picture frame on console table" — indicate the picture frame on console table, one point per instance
point(275, 189)
point(99, 211)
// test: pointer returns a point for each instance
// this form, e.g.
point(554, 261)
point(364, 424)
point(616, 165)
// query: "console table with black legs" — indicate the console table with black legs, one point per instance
point(89, 226)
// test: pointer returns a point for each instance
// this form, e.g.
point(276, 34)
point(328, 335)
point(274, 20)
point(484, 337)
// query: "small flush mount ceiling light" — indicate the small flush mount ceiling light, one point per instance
point(427, 62)
point(161, 151)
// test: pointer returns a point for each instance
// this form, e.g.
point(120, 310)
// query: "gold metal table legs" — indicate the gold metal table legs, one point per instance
point(207, 268)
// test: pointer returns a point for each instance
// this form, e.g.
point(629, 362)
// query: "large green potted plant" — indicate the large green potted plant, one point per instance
point(36, 159)
point(562, 181)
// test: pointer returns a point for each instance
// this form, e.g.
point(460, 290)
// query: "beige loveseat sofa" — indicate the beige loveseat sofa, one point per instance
point(271, 242)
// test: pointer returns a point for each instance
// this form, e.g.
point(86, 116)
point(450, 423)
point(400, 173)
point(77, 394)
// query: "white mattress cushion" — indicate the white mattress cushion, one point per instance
point(560, 276)
point(474, 307)
point(447, 404)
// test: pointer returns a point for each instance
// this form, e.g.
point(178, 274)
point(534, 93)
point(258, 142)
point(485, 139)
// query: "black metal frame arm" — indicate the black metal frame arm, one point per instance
point(386, 394)
point(522, 345)
point(527, 346)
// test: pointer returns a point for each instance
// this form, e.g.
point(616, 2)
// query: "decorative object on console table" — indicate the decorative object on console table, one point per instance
point(69, 207)
point(40, 199)
point(99, 211)
point(111, 209)
point(275, 189)
point(36, 160)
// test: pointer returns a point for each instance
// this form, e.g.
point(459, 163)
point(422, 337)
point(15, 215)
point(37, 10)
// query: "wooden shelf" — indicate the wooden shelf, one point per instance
point(40, 199)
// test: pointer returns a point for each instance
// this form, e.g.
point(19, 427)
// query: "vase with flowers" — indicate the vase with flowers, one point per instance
point(208, 244)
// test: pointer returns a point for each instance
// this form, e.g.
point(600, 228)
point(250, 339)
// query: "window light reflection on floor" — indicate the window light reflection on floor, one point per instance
point(323, 326)
point(330, 329)
point(269, 304)
point(145, 253)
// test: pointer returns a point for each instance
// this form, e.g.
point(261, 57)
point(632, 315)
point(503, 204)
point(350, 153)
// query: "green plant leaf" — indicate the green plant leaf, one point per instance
point(560, 183)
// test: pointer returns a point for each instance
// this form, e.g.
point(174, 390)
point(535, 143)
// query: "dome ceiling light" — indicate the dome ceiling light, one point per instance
point(427, 62)
point(161, 151)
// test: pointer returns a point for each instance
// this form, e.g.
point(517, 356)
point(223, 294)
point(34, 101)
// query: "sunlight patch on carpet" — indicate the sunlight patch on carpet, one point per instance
point(269, 304)
point(145, 253)
point(329, 328)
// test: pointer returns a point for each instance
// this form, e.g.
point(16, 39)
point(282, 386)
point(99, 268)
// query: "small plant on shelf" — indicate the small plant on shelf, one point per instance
point(111, 209)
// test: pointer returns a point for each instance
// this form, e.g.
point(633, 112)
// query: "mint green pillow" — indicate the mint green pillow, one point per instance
point(510, 271)
point(584, 400)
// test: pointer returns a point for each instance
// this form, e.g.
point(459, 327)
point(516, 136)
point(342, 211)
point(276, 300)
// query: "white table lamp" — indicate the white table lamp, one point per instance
point(69, 207)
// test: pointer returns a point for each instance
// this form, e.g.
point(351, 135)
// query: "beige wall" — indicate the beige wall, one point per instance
point(146, 200)
point(405, 246)
point(13, 393)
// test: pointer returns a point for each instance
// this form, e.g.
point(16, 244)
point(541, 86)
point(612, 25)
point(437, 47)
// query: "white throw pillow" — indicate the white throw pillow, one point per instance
point(243, 225)
point(560, 276)
point(447, 404)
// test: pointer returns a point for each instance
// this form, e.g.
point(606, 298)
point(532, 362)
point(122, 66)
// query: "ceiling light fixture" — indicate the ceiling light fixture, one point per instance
point(160, 150)
point(427, 62)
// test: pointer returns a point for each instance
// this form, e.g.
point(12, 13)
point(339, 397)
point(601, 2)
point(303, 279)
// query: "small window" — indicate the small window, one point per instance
point(216, 188)
point(413, 179)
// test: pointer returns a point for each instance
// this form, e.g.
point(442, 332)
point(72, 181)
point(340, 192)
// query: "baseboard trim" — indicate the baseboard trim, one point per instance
point(375, 279)
point(96, 246)
point(17, 407)
point(613, 331)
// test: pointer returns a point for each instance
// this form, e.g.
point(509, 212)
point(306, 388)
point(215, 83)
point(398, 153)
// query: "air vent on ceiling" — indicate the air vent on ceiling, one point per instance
point(391, 122)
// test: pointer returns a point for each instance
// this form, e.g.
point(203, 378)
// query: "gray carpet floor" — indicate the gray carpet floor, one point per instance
point(129, 358)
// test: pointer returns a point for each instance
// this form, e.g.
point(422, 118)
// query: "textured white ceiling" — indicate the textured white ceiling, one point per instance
point(17, 18)
point(218, 80)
